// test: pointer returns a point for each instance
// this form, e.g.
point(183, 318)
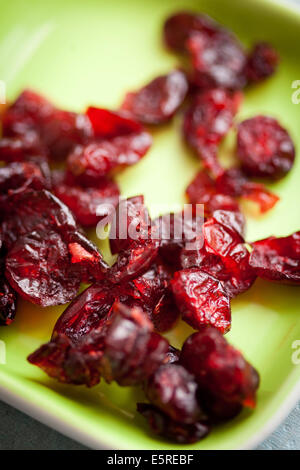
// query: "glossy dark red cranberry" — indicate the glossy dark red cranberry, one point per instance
point(217, 60)
point(277, 259)
point(38, 268)
point(88, 204)
point(132, 350)
point(234, 183)
point(262, 62)
point(21, 148)
point(164, 426)
point(219, 368)
point(201, 299)
point(58, 131)
point(181, 25)
point(265, 148)
point(203, 190)
point(158, 101)
point(69, 363)
point(173, 390)
point(207, 121)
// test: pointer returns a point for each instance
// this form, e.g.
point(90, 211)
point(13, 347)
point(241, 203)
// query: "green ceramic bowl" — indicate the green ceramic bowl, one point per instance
point(92, 52)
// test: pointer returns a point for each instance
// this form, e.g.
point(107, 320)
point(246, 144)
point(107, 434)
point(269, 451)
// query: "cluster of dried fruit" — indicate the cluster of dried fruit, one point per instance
point(113, 329)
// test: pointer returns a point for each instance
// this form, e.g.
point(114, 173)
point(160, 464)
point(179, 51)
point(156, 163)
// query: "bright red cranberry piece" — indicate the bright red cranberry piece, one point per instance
point(201, 299)
point(262, 62)
point(265, 148)
point(181, 25)
point(203, 190)
point(158, 101)
point(207, 121)
point(69, 363)
point(277, 259)
point(38, 268)
point(88, 204)
point(173, 389)
point(130, 223)
point(217, 60)
point(219, 368)
point(108, 124)
point(175, 431)
point(132, 350)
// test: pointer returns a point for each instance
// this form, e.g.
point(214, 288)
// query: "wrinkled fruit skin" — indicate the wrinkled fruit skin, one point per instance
point(265, 148)
point(164, 426)
point(262, 62)
point(207, 121)
point(8, 300)
point(220, 370)
point(173, 390)
point(89, 204)
point(201, 299)
point(158, 101)
point(132, 350)
point(38, 268)
point(277, 259)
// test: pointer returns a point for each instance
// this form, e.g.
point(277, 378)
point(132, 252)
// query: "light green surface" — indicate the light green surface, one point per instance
point(92, 52)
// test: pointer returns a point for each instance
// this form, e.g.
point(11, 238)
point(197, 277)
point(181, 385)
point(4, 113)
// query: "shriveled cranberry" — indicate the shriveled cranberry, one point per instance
point(217, 409)
point(108, 124)
point(262, 62)
point(132, 350)
point(181, 25)
point(277, 259)
point(69, 363)
point(201, 299)
point(59, 131)
point(134, 261)
point(18, 176)
point(234, 183)
point(130, 222)
point(203, 190)
point(219, 368)
point(8, 299)
point(173, 389)
point(265, 148)
point(207, 121)
point(88, 204)
point(164, 426)
point(21, 148)
point(38, 268)
point(217, 60)
point(158, 101)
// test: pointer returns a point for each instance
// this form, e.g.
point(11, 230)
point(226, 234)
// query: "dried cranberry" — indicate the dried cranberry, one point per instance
point(277, 259)
point(158, 101)
point(219, 369)
point(69, 363)
point(207, 121)
point(180, 26)
point(262, 62)
point(203, 190)
point(132, 350)
point(18, 149)
point(234, 183)
point(18, 176)
point(164, 426)
point(173, 389)
point(38, 268)
point(217, 60)
point(88, 204)
point(265, 148)
point(108, 124)
point(59, 131)
point(201, 299)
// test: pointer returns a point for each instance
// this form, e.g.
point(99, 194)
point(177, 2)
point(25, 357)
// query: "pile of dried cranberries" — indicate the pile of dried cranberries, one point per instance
point(112, 330)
